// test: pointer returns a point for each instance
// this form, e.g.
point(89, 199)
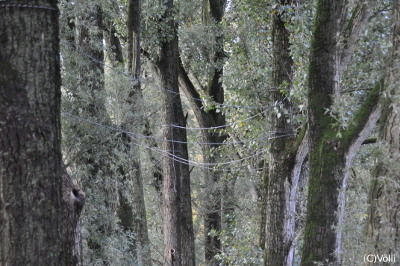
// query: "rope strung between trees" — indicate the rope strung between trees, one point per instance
point(26, 6)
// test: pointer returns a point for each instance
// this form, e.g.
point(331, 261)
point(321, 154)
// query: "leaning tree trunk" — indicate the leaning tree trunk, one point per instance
point(213, 11)
point(287, 154)
point(31, 207)
point(205, 119)
point(212, 219)
point(331, 155)
point(383, 215)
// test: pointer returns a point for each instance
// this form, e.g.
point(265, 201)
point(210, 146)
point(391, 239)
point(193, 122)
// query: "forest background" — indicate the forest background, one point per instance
point(215, 132)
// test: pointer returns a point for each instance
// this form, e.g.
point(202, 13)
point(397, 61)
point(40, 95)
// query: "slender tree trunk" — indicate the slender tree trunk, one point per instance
point(383, 223)
point(91, 163)
point(113, 44)
point(214, 89)
point(330, 154)
point(74, 199)
point(187, 241)
point(212, 219)
point(263, 207)
point(31, 207)
point(130, 122)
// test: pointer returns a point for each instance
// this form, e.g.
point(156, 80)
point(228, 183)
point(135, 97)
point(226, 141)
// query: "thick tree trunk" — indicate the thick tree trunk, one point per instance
point(174, 134)
point(31, 207)
point(284, 164)
point(213, 89)
point(383, 214)
point(187, 239)
point(331, 155)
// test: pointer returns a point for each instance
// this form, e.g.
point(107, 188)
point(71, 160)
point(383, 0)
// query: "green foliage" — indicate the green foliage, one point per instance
point(95, 154)
point(355, 219)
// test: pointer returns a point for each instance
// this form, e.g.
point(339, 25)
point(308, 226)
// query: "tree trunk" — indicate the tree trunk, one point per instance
point(263, 203)
point(383, 214)
point(287, 155)
point(90, 160)
point(330, 154)
point(187, 239)
point(206, 119)
point(31, 208)
point(214, 89)
point(174, 133)
point(129, 123)
point(212, 219)
point(74, 199)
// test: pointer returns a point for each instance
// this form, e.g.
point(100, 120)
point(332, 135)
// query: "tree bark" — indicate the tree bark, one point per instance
point(330, 154)
point(287, 154)
point(74, 200)
point(90, 161)
point(139, 222)
point(187, 239)
point(31, 207)
point(263, 207)
point(383, 214)
point(174, 133)
point(213, 11)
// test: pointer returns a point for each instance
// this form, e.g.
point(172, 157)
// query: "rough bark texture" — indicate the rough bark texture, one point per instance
point(172, 162)
point(287, 155)
point(187, 241)
point(331, 156)
point(383, 215)
point(31, 207)
point(74, 200)
point(133, 26)
point(281, 158)
point(186, 221)
point(214, 89)
point(263, 207)
point(213, 11)
point(135, 218)
point(87, 102)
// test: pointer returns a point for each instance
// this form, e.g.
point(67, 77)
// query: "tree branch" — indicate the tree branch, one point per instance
point(365, 119)
point(354, 29)
point(204, 119)
point(369, 141)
